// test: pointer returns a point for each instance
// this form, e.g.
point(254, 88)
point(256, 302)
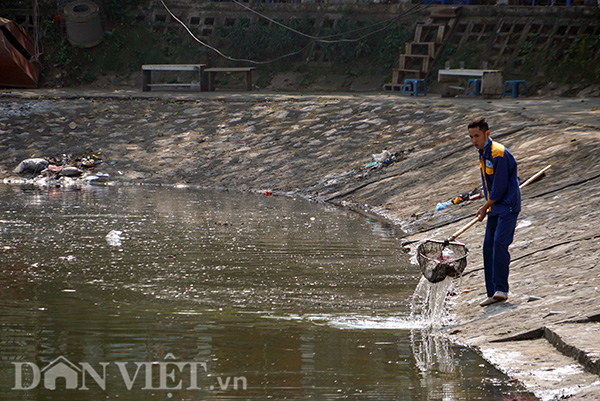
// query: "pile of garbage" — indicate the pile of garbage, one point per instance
point(477, 193)
point(384, 159)
point(59, 172)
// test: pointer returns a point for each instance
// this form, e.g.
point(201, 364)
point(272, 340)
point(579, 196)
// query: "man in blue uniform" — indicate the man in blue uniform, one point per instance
point(503, 204)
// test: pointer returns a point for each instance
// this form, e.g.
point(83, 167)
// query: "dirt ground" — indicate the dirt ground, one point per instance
point(317, 146)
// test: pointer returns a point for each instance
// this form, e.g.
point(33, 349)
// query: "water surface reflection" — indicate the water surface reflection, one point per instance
point(272, 298)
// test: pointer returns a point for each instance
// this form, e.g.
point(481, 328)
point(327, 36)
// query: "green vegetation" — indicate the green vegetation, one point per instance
point(578, 62)
point(566, 61)
point(375, 52)
point(128, 43)
point(120, 11)
point(124, 48)
point(527, 57)
point(470, 55)
point(261, 42)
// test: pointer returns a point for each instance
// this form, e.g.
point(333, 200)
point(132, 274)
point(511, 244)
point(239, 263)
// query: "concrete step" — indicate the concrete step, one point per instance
point(420, 48)
point(580, 341)
point(414, 62)
point(542, 369)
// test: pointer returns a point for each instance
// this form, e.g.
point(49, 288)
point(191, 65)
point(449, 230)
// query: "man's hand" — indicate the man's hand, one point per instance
point(482, 211)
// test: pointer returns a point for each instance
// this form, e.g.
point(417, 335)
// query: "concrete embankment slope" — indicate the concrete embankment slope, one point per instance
point(316, 146)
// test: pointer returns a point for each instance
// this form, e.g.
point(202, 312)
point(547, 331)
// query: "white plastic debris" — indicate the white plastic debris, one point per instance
point(448, 254)
point(381, 157)
point(113, 238)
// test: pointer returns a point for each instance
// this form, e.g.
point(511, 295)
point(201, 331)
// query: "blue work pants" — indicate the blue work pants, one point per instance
point(499, 234)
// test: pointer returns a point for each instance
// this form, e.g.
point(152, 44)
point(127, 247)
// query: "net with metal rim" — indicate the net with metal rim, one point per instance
point(439, 260)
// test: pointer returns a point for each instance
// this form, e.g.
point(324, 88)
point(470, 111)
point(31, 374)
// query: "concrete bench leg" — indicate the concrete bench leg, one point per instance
point(248, 80)
point(146, 80)
point(211, 81)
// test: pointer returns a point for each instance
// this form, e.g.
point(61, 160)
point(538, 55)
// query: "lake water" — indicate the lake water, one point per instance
point(143, 293)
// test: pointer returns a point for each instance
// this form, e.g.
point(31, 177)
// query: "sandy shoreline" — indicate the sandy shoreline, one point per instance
point(317, 146)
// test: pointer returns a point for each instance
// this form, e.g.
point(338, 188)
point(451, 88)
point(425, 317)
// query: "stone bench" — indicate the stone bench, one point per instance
point(147, 69)
point(491, 81)
point(212, 72)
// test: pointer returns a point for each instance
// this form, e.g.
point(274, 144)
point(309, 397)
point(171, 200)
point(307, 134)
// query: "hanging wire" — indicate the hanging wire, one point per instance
point(323, 39)
point(220, 53)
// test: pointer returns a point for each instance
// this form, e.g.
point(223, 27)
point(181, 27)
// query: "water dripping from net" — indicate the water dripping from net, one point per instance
point(428, 303)
point(430, 347)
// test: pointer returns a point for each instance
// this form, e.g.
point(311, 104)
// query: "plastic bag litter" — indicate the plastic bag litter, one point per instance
point(381, 157)
point(31, 166)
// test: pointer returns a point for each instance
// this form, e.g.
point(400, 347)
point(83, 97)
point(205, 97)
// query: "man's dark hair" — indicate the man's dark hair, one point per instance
point(480, 123)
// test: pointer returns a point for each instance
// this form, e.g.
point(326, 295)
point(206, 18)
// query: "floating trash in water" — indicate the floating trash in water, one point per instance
point(114, 238)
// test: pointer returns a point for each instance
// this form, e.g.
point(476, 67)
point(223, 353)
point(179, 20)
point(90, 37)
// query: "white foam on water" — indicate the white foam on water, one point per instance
point(361, 322)
point(188, 313)
point(427, 310)
point(286, 317)
point(356, 321)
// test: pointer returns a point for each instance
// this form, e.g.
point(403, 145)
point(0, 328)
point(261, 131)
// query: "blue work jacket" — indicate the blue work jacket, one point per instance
point(499, 176)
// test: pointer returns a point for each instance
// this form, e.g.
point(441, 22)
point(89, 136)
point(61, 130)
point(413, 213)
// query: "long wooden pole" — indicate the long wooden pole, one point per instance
point(476, 219)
